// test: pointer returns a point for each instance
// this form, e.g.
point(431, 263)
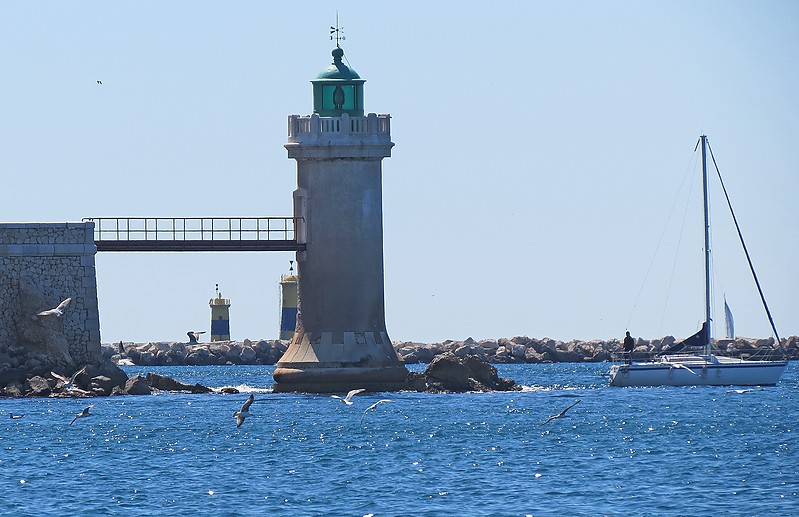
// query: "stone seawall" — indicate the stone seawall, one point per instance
point(519, 349)
point(41, 265)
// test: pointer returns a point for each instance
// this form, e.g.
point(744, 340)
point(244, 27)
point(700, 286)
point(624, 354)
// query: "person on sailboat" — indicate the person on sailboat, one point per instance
point(629, 345)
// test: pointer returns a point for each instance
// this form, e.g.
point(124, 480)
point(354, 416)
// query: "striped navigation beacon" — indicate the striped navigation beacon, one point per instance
point(220, 317)
point(288, 303)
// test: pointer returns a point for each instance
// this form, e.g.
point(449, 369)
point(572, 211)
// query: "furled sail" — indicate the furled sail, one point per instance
point(696, 340)
point(729, 323)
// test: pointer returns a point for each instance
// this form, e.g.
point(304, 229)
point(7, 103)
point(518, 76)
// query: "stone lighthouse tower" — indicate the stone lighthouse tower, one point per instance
point(340, 342)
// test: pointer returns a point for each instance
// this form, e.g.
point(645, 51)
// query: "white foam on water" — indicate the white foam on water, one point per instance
point(243, 388)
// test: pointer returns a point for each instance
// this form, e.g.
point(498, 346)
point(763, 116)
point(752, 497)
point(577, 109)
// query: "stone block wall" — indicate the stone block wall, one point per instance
point(42, 264)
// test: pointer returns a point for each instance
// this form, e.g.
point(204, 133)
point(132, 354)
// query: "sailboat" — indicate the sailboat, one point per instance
point(691, 362)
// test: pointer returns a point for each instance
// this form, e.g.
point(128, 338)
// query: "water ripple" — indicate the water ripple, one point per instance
point(654, 451)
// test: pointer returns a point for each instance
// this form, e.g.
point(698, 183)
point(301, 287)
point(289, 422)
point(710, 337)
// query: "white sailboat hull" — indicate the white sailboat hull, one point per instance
point(697, 371)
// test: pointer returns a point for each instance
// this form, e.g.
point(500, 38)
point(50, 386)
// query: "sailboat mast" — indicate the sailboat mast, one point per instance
point(703, 138)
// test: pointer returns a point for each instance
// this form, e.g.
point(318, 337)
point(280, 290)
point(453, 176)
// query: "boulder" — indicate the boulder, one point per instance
point(502, 355)
point(489, 345)
point(105, 369)
point(425, 355)
point(601, 356)
point(247, 355)
point(38, 387)
point(102, 385)
point(162, 383)
point(463, 350)
point(14, 390)
point(531, 356)
point(448, 372)
point(146, 359)
point(137, 385)
point(518, 351)
point(410, 358)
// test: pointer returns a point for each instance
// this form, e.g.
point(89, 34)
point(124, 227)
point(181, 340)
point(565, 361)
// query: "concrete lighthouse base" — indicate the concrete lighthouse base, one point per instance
point(331, 362)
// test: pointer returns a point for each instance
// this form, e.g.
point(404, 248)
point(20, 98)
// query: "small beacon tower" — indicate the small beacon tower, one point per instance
point(220, 317)
point(340, 342)
point(288, 304)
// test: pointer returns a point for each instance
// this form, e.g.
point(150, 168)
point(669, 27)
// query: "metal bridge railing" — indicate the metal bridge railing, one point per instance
point(195, 233)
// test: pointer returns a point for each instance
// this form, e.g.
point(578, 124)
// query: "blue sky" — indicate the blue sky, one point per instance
point(540, 147)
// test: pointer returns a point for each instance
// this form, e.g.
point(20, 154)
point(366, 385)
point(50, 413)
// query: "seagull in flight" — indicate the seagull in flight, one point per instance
point(347, 400)
point(13, 416)
point(69, 382)
point(374, 406)
point(57, 312)
point(678, 365)
point(244, 412)
point(194, 336)
point(741, 392)
point(83, 413)
point(559, 415)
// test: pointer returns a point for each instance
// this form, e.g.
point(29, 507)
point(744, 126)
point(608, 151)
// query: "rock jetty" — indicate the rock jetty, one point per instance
point(26, 372)
point(519, 349)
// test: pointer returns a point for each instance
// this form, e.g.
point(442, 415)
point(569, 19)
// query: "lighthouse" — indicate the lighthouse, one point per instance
point(220, 317)
point(340, 341)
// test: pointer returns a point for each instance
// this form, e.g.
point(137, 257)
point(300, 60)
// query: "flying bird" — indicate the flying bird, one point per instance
point(244, 412)
point(83, 413)
point(57, 312)
point(678, 365)
point(374, 406)
point(194, 336)
point(349, 396)
point(559, 415)
point(13, 416)
point(742, 391)
point(99, 82)
point(69, 382)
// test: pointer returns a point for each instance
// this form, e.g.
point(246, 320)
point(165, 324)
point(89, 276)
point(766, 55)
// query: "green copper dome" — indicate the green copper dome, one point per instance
point(338, 89)
point(338, 70)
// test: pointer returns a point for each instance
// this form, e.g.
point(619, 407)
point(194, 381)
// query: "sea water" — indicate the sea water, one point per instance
point(619, 451)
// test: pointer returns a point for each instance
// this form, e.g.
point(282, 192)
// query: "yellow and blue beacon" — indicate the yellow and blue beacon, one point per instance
point(220, 317)
point(288, 304)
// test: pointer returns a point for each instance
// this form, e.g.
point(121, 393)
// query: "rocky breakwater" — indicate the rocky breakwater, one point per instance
point(166, 353)
point(522, 349)
point(32, 373)
point(519, 349)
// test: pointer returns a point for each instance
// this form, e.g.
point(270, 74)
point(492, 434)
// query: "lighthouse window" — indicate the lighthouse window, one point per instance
point(339, 97)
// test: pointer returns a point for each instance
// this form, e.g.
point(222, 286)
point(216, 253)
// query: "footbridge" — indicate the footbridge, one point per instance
point(198, 233)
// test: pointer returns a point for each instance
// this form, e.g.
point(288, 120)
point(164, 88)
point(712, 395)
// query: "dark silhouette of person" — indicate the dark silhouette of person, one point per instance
point(629, 345)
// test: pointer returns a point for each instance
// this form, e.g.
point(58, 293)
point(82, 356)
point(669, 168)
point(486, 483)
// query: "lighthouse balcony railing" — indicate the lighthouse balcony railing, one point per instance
point(311, 127)
point(197, 233)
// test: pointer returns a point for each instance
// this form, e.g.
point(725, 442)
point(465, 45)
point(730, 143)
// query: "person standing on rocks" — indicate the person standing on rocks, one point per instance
point(629, 345)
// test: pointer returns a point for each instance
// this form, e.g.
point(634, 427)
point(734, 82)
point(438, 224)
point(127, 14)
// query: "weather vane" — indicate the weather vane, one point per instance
point(338, 31)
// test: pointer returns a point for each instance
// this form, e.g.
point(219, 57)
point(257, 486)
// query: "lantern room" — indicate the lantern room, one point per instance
point(338, 89)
